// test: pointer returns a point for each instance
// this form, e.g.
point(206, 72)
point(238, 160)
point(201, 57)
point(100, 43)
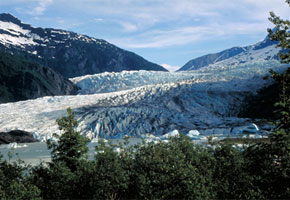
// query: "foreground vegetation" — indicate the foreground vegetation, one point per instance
point(175, 170)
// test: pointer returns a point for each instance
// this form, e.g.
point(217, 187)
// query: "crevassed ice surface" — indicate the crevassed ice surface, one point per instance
point(117, 81)
point(207, 98)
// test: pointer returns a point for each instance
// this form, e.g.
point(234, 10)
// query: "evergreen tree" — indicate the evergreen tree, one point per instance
point(71, 147)
point(275, 176)
point(281, 33)
point(14, 181)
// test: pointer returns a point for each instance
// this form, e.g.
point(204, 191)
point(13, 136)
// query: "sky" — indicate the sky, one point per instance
point(166, 32)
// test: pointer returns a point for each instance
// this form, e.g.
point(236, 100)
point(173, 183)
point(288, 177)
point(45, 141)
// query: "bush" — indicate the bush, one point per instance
point(174, 170)
point(14, 182)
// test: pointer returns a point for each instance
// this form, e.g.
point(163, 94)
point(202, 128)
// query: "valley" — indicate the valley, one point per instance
point(197, 100)
point(120, 93)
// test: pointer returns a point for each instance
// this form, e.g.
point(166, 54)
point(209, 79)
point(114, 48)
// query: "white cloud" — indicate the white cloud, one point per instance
point(188, 35)
point(170, 67)
point(159, 23)
point(41, 7)
point(99, 19)
point(128, 27)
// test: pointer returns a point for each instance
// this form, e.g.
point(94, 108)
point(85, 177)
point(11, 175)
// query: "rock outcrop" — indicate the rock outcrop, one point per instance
point(17, 136)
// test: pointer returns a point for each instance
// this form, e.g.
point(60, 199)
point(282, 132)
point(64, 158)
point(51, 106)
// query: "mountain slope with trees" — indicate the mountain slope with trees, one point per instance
point(21, 80)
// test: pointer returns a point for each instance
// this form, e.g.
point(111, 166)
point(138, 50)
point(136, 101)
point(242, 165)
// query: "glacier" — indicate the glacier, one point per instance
point(117, 81)
point(146, 102)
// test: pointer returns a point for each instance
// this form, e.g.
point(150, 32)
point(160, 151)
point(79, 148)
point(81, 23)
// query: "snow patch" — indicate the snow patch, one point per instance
point(18, 41)
point(13, 28)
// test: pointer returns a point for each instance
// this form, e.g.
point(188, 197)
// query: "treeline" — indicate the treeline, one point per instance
point(178, 169)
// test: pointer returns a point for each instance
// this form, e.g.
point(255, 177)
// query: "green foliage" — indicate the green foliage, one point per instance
point(231, 176)
point(280, 139)
point(174, 170)
point(269, 163)
point(14, 183)
point(281, 34)
point(283, 105)
point(110, 177)
point(71, 146)
point(269, 166)
point(55, 182)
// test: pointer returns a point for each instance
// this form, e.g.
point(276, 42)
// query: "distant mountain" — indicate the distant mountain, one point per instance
point(261, 52)
point(69, 53)
point(22, 80)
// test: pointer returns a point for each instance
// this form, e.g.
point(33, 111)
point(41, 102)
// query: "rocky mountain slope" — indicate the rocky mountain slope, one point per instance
point(261, 52)
point(22, 80)
point(68, 53)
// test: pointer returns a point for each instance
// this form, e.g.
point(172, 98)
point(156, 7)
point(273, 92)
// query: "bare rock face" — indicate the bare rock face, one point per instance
point(68, 53)
point(16, 136)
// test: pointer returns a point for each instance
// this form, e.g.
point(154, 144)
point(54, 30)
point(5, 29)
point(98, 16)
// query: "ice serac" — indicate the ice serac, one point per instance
point(261, 52)
point(68, 53)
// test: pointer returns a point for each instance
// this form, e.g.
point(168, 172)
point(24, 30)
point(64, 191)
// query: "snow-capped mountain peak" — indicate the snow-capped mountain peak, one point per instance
point(261, 52)
point(14, 32)
point(66, 52)
point(7, 17)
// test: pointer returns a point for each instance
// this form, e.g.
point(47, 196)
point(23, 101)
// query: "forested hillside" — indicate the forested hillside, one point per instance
point(22, 80)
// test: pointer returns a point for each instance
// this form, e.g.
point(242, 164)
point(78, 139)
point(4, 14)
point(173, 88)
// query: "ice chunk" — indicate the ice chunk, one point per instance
point(192, 133)
point(174, 133)
point(14, 145)
point(96, 140)
point(253, 128)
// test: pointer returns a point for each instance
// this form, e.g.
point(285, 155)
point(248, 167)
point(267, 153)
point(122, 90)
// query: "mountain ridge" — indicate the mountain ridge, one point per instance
point(66, 52)
point(236, 56)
